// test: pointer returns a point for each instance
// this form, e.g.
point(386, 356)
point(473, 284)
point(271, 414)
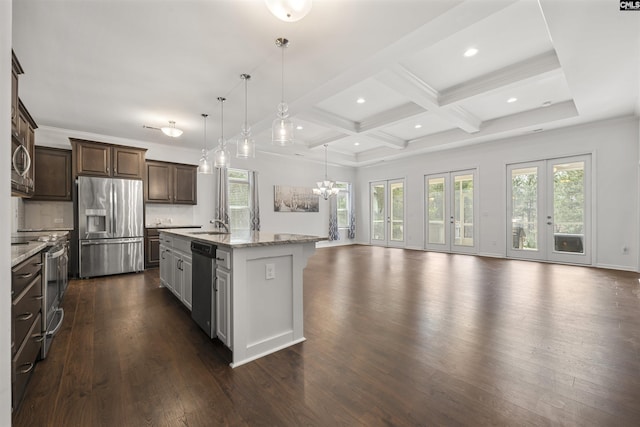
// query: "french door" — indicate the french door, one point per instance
point(387, 212)
point(451, 212)
point(548, 205)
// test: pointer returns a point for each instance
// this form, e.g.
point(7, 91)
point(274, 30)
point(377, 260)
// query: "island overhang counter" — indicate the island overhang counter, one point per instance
point(258, 288)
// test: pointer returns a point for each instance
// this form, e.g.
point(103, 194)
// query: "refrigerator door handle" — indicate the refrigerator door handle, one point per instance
point(111, 241)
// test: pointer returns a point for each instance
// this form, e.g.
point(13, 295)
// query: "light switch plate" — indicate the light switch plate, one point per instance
point(270, 271)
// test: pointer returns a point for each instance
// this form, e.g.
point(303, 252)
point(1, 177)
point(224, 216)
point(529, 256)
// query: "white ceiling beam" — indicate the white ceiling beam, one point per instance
point(516, 74)
point(509, 126)
point(405, 82)
point(391, 117)
point(319, 142)
point(329, 120)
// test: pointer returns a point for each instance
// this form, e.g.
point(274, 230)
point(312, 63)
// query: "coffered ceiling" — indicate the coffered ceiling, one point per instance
point(111, 67)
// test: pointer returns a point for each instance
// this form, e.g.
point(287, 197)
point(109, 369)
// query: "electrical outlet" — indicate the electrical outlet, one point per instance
point(270, 271)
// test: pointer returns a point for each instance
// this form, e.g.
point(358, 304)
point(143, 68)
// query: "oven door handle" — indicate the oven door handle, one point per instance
point(58, 326)
point(57, 254)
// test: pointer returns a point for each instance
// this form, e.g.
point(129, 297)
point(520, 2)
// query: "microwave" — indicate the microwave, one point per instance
point(20, 164)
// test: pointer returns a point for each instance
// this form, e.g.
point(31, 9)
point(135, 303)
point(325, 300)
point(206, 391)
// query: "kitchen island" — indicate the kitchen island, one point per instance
point(258, 307)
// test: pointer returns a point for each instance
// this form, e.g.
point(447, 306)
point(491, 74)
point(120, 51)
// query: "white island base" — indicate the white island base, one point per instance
point(267, 299)
point(258, 292)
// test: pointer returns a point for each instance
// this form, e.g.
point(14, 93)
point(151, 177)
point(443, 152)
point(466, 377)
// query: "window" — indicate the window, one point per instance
point(239, 215)
point(342, 200)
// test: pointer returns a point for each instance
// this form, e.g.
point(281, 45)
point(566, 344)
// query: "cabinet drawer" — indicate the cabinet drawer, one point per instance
point(223, 259)
point(182, 245)
point(24, 361)
point(166, 240)
point(25, 309)
point(24, 273)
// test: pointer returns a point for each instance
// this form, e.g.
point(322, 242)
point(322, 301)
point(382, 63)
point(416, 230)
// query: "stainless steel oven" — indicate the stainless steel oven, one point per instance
point(54, 285)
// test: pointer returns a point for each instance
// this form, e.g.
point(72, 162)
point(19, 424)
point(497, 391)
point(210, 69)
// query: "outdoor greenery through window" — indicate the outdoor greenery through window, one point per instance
point(239, 215)
point(342, 199)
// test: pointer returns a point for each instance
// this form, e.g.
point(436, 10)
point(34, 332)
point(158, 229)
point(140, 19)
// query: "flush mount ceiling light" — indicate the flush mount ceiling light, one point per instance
point(289, 10)
point(512, 100)
point(170, 130)
point(221, 154)
point(327, 187)
point(246, 146)
point(361, 100)
point(472, 51)
point(282, 128)
point(204, 164)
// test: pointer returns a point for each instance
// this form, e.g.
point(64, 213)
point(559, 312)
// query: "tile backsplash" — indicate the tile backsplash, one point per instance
point(46, 215)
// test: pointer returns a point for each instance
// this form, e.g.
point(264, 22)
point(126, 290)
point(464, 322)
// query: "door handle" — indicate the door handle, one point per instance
point(549, 223)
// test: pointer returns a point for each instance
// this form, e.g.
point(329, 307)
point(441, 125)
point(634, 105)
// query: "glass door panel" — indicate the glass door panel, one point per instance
point(436, 210)
point(378, 213)
point(450, 212)
point(547, 205)
point(387, 212)
point(568, 220)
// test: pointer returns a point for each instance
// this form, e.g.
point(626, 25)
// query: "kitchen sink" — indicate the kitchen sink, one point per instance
point(210, 233)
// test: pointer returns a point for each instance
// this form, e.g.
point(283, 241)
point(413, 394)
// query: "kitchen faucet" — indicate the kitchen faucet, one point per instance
point(222, 223)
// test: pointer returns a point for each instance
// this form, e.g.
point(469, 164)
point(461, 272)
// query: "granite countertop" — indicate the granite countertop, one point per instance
point(244, 240)
point(171, 226)
point(40, 230)
point(21, 252)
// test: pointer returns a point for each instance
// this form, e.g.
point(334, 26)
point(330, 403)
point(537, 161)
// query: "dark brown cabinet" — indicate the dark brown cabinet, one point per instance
point(107, 160)
point(171, 183)
point(26, 328)
point(52, 174)
point(16, 70)
point(151, 248)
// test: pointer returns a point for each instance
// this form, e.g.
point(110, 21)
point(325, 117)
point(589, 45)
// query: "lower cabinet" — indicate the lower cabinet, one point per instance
point(176, 267)
point(223, 296)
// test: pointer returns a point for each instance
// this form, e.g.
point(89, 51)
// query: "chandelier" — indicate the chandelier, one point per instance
point(326, 188)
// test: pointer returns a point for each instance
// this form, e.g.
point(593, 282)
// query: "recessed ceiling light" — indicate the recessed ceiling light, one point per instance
point(299, 127)
point(546, 103)
point(472, 51)
point(418, 126)
point(537, 130)
point(512, 100)
point(356, 143)
point(361, 100)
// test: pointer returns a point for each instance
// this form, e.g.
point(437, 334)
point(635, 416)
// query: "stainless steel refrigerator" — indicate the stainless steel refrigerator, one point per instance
point(110, 226)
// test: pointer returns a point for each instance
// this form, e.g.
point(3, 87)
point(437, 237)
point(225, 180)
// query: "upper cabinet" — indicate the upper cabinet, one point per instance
point(16, 70)
point(171, 183)
point(52, 174)
point(98, 159)
point(22, 139)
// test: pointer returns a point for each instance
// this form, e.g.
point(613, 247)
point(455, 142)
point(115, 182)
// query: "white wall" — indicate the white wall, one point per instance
point(614, 148)
point(272, 170)
point(5, 216)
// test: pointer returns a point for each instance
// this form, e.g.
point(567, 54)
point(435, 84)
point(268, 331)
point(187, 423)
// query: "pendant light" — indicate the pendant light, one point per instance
point(204, 165)
point(289, 10)
point(327, 187)
point(221, 155)
point(282, 128)
point(246, 146)
point(171, 130)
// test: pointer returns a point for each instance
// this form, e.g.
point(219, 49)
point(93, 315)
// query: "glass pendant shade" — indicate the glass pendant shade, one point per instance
point(171, 130)
point(289, 10)
point(221, 154)
point(204, 164)
point(282, 127)
point(245, 145)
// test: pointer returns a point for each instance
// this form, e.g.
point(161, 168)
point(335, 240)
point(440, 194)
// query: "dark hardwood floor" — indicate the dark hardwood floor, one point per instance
point(394, 338)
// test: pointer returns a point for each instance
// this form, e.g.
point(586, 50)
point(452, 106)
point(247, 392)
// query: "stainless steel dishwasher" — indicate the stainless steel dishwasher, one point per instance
point(203, 283)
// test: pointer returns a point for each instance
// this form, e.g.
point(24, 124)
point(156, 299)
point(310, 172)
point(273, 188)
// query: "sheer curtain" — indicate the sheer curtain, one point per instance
point(334, 233)
point(254, 202)
point(351, 231)
point(222, 198)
